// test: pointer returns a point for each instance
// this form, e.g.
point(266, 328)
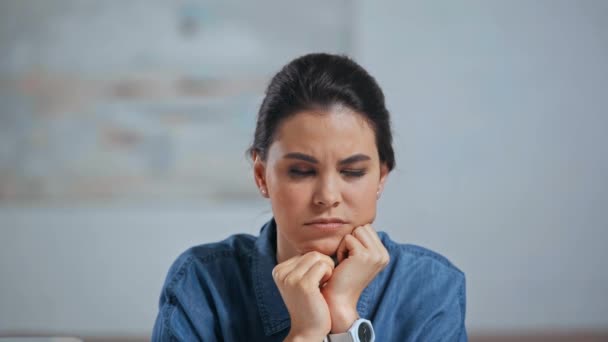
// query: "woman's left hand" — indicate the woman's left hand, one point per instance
point(361, 256)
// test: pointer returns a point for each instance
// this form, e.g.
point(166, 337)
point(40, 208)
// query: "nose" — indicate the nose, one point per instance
point(327, 193)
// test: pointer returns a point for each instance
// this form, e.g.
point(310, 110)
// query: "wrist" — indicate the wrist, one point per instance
point(342, 319)
point(298, 337)
point(343, 312)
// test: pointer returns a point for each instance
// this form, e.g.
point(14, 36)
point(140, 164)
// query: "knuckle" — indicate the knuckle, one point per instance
point(290, 281)
point(276, 272)
point(381, 258)
point(316, 255)
point(387, 257)
point(312, 255)
point(327, 260)
point(322, 264)
point(280, 277)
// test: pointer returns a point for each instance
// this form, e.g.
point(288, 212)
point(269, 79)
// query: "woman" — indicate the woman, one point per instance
point(318, 271)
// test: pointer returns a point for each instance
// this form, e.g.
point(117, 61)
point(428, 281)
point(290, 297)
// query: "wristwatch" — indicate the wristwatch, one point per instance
point(361, 331)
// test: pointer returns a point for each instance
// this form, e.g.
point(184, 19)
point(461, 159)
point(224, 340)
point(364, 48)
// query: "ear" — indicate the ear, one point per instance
point(383, 177)
point(259, 174)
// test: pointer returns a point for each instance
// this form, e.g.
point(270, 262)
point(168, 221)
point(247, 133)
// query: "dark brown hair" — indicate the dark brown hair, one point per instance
point(321, 80)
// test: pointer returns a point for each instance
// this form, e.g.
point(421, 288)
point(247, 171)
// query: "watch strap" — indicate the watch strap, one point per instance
point(342, 337)
point(352, 335)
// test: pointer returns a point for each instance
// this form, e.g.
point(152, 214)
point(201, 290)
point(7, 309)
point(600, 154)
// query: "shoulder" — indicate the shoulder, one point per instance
point(204, 258)
point(410, 254)
point(423, 276)
point(426, 273)
point(199, 280)
point(425, 288)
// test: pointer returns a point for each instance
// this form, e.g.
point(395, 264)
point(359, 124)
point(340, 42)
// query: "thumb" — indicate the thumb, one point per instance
point(342, 252)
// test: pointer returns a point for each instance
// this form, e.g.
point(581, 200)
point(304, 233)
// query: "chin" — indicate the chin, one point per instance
point(328, 247)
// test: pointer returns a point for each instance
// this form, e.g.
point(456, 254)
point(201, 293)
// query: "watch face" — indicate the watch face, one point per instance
point(365, 332)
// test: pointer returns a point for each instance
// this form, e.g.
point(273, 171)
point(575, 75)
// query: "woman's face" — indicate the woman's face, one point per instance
point(322, 165)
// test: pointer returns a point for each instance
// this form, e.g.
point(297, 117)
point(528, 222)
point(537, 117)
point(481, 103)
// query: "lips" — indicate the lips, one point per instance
point(326, 223)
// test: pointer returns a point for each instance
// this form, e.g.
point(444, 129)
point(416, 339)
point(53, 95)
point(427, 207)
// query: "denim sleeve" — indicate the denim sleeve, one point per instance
point(172, 324)
point(184, 311)
point(447, 323)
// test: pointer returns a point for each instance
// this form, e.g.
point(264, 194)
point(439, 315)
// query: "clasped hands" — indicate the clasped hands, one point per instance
point(322, 298)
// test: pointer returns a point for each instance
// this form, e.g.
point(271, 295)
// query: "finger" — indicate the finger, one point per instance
point(363, 234)
point(368, 237)
point(310, 258)
point(281, 270)
point(342, 251)
point(305, 262)
point(375, 236)
point(319, 273)
point(350, 246)
point(376, 249)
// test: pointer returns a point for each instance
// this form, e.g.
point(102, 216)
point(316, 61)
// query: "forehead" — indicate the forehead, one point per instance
point(337, 131)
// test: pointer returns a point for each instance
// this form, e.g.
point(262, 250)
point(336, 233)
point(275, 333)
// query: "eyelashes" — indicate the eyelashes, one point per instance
point(301, 173)
point(351, 173)
point(354, 173)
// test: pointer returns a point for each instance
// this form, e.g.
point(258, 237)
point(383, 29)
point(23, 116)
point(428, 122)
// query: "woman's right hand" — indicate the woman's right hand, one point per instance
point(299, 280)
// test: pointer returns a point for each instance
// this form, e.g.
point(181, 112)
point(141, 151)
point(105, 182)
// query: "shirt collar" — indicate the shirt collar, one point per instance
point(273, 311)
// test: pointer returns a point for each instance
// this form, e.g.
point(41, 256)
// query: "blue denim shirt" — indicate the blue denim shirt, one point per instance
point(224, 291)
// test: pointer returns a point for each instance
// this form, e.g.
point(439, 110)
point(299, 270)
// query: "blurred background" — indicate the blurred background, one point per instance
point(124, 125)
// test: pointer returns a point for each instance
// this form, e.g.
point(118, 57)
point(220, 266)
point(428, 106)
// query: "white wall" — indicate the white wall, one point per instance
point(96, 271)
point(501, 118)
point(500, 126)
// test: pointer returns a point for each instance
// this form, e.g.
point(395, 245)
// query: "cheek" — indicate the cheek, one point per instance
point(364, 190)
point(362, 200)
point(288, 196)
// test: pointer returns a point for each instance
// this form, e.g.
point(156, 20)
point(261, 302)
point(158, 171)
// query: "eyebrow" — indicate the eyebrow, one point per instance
point(305, 157)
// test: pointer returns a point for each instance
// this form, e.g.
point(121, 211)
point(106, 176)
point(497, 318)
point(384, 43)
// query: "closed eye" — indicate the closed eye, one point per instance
point(354, 172)
point(298, 173)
